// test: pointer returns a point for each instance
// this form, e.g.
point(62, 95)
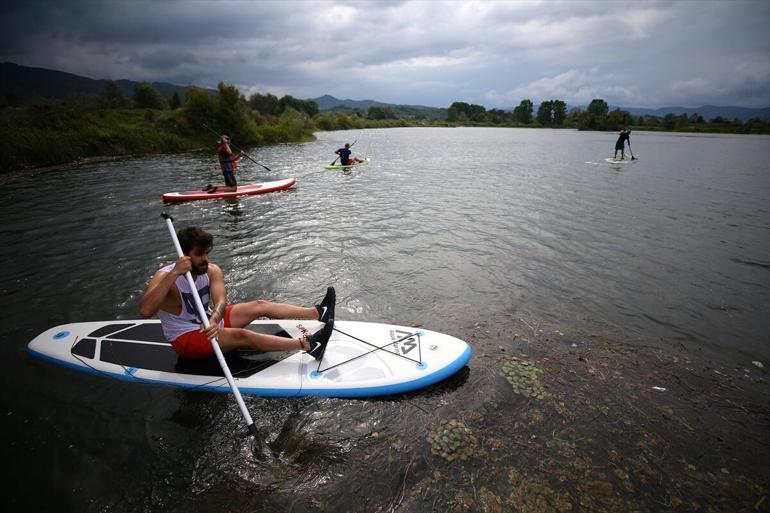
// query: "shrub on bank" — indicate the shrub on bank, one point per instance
point(52, 134)
point(49, 134)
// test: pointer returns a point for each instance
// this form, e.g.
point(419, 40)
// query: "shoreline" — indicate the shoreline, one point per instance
point(15, 173)
point(110, 158)
point(542, 420)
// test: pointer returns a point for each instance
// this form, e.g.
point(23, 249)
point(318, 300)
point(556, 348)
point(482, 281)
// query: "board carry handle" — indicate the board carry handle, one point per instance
point(214, 343)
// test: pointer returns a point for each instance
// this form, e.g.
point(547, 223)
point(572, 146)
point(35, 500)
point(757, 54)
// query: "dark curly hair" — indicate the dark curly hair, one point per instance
point(194, 237)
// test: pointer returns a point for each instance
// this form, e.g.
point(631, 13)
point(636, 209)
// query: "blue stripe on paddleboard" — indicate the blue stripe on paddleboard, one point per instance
point(397, 388)
point(124, 376)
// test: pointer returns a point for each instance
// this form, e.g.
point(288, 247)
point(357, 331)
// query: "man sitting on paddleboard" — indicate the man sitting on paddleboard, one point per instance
point(169, 296)
point(228, 161)
point(345, 158)
point(620, 145)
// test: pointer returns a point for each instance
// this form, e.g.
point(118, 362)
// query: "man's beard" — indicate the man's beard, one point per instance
point(200, 269)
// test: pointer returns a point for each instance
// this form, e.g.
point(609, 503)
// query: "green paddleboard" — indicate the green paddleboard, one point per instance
point(340, 166)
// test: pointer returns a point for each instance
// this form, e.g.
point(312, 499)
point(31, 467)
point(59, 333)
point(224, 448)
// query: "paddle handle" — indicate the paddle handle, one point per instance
point(214, 343)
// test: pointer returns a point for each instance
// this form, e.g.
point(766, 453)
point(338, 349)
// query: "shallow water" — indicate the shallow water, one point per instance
point(447, 228)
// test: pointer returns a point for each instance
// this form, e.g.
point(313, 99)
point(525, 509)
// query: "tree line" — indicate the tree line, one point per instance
point(112, 123)
point(596, 116)
point(550, 113)
point(145, 96)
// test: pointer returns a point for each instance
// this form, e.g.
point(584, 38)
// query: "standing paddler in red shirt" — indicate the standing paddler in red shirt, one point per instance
point(228, 161)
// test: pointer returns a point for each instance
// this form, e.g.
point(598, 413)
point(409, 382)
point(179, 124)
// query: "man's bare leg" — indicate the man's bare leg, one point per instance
point(237, 338)
point(242, 314)
point(241, 338)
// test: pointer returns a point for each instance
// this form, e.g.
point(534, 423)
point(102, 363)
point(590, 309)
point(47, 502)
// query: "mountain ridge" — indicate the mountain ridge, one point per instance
point(26, 83)
point(23, 84)
point(706, 111)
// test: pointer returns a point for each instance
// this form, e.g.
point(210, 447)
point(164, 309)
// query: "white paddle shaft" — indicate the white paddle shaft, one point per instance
point(214, 343)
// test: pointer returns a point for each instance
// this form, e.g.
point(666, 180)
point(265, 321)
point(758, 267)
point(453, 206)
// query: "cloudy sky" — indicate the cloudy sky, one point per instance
point(494, 53)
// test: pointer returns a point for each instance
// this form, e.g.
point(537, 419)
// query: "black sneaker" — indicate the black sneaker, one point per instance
point(326, 308)
point(207, 187)
point(319, 339)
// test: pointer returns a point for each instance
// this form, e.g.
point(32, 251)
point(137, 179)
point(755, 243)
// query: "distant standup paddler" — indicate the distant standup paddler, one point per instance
point(169, 296)
point(228, 161)
point(345, 158)
point(620, 145)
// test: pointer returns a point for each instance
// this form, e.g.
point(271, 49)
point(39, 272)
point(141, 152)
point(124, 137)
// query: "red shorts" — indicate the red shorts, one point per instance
point(196, 345)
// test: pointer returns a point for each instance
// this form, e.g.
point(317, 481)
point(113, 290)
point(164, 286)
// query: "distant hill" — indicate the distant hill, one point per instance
point(327, 102)
point(708, 112)
point(25, 83)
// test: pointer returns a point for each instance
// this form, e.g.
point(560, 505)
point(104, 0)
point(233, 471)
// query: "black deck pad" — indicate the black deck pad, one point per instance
point(239, 367)
point(110, 328)
point(152, 332)
point(149, 332)
point(85, 347)
point(129, 353)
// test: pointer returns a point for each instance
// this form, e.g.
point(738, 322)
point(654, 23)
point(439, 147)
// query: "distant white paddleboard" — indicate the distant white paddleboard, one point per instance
point(620, 161)
point(362, 359)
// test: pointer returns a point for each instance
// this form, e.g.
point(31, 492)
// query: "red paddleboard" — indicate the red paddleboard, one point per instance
point(243, 190)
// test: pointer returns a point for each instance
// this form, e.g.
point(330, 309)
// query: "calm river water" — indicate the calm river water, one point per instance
point(446, 228)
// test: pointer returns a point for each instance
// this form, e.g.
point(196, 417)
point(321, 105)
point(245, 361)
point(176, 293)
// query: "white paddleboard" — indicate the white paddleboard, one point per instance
point(362, 359)
point(618, 161)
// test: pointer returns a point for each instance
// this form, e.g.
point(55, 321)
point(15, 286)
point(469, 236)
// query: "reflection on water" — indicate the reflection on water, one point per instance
point(445, 228)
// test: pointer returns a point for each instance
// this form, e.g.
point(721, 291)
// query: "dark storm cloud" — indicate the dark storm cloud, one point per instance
point(134, 22)
point(642, 53)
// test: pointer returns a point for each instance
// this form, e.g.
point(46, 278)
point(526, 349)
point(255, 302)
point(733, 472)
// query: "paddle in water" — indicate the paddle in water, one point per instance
point(214, 343)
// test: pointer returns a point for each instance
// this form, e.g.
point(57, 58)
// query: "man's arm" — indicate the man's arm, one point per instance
point(217, 292)
point(157, 293)
point(218, 296)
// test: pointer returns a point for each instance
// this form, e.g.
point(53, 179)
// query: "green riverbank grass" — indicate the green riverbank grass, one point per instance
point(48, 135)
point(56, 135)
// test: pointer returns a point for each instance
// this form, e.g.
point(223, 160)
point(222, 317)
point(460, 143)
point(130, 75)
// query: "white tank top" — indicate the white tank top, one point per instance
point(188, 319)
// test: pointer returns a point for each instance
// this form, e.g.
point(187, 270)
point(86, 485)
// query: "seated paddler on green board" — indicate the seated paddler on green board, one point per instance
point(346, 159)
point(170, 296)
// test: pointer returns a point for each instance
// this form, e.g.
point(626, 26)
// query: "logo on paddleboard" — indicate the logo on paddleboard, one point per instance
point(404, 341)
point(303, 330)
